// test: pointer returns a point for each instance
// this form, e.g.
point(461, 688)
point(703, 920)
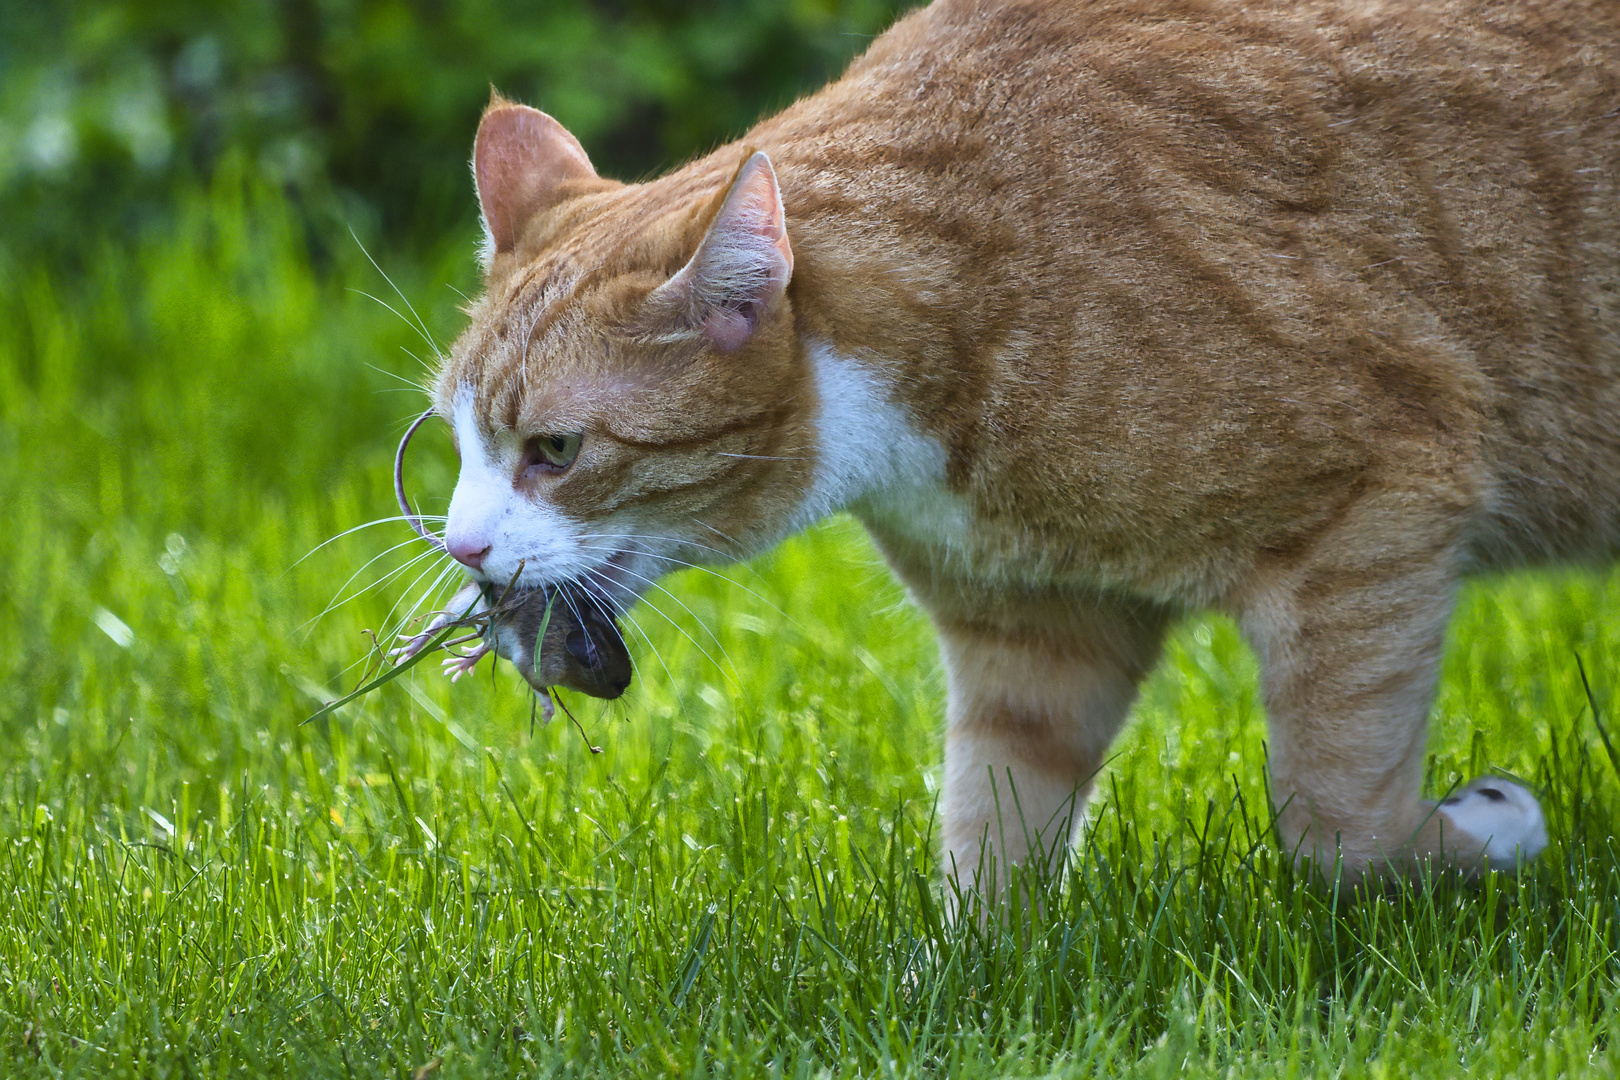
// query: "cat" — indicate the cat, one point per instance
point(1095, 313)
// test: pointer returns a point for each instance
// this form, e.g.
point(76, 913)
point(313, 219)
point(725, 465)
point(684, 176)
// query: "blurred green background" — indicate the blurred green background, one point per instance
point(362, 111)
point(198, 203)
point(205, 211)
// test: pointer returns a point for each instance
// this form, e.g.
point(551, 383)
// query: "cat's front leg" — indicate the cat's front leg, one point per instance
point(1037, 691)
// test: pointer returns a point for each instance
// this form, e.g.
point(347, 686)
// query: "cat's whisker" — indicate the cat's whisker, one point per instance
point(727, 555)
point(449, 567)
point(738, 548)
point(406, 592)
point(652, 582)
point(397, 572)
point(731, 557)
point(427, 367)
point(573, 608)
point(396, 375)
point(679, 563)
point(620, 611)
point(533, 320)
point(357, 528)
point(365, 658)
point(396, 312)
point(579, 618)
point(732, 675)
point(418, 325)
point(704, 569)
point(339, 599)
point(727, 537)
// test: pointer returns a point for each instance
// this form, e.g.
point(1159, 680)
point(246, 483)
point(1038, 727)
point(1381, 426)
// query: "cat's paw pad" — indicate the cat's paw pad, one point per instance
point(1501, 815)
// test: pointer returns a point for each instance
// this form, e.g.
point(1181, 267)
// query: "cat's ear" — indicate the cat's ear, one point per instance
point(522, 159)
point(742, 265)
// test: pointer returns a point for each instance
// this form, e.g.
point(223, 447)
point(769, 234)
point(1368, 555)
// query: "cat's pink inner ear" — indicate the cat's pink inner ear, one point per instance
point(743, 264)
point(521, 160)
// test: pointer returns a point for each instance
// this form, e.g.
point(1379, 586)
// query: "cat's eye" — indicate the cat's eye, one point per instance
point(551, 453)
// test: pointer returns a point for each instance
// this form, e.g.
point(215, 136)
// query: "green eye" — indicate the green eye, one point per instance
point(554, 452)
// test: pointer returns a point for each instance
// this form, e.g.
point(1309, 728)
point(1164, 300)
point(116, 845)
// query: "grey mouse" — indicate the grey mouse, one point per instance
point(582, 649)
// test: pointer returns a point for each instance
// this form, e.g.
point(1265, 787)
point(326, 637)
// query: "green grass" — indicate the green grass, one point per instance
point(744, 882)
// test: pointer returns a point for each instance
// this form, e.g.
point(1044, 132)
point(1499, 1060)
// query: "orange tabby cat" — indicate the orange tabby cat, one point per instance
point(1096, 312)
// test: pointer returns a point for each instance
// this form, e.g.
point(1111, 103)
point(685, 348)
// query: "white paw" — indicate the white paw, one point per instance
point(1500, 814)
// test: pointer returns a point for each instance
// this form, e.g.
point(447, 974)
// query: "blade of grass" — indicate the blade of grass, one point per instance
point(394, 672)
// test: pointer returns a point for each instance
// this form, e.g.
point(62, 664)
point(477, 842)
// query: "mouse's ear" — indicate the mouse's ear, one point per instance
point(523, 162)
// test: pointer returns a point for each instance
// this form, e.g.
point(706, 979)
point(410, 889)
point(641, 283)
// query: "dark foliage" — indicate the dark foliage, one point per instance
point(364, 110)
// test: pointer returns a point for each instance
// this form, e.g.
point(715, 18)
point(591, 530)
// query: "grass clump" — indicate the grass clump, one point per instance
point(745, 882)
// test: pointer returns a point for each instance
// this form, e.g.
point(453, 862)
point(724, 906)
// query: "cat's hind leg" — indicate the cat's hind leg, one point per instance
point(1034, 700)
point(1349, 641)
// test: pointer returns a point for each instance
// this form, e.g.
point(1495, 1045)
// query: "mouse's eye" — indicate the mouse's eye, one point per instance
point(550, 453)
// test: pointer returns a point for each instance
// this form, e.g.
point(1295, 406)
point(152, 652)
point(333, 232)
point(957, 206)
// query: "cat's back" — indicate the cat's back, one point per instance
point(1306, 243)
point(1097, 110)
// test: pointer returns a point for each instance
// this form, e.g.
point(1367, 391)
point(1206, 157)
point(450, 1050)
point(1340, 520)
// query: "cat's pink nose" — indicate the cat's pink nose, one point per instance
point(468, 552)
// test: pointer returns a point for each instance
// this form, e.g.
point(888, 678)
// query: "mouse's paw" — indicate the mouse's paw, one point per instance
point(414, 643)
point(467, 602)
point(461, 664)
point(1503, 817)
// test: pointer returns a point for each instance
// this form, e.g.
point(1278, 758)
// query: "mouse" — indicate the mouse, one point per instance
point(581, 648)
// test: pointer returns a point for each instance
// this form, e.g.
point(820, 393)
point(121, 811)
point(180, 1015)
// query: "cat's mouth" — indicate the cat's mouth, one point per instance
point(556, 634)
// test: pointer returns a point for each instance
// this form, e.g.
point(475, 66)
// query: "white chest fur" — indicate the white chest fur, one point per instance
point(874, 461)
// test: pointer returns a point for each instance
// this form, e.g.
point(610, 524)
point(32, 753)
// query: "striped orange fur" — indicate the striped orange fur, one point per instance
point(1096, 312)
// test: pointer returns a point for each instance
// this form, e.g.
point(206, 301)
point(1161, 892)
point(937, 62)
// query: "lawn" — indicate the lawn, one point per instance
point(743, 881)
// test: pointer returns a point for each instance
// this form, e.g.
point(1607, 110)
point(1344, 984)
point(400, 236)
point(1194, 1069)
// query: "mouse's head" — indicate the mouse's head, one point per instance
point(579, 644)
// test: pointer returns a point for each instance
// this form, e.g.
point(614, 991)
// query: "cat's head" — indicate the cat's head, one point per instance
point(631, 394)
